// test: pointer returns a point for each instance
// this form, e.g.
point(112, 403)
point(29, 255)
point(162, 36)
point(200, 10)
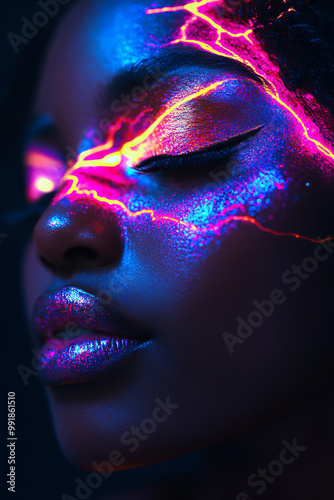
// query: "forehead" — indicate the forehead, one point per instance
point(96, 39)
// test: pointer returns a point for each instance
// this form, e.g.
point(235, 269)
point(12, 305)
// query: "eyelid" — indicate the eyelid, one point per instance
point(228, 145)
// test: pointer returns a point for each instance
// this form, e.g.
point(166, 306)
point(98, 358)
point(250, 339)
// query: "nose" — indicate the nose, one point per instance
point(78, 234)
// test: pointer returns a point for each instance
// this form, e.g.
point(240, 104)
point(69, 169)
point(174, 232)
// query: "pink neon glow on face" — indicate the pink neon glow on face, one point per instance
point(234, 42)
point(135, 149)
point(175, 231)
point(243, 47)
point(157, 216)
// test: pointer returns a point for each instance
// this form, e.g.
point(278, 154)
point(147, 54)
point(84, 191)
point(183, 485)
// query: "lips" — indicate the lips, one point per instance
point(79, 339)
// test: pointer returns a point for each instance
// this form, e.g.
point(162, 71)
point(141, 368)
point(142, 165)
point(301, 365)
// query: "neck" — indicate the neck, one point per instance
point(289, 457)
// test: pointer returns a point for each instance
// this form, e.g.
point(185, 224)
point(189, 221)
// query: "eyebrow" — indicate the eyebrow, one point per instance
point(164, 64)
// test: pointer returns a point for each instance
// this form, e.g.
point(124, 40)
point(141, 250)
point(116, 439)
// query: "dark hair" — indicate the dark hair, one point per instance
point(298, 36)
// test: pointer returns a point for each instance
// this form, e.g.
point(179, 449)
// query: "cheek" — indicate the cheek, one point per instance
point(254, 184)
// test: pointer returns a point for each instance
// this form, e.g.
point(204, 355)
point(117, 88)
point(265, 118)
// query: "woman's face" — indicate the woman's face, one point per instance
point(189, 262)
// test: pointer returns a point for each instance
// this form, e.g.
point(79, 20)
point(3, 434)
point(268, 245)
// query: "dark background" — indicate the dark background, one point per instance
point(41, 470)
point(42, 473)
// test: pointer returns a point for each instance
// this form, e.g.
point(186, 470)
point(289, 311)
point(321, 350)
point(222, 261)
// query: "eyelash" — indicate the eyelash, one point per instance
point(179, 164)
point(190, 162)
point(185, 163)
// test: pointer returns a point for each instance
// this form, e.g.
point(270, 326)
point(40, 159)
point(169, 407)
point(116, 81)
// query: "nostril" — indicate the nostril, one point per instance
point(80, 255)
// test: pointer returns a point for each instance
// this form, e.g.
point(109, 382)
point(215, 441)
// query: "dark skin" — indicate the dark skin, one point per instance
point(276, 384)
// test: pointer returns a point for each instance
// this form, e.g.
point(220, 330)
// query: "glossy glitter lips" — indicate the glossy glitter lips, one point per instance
point(77, 337)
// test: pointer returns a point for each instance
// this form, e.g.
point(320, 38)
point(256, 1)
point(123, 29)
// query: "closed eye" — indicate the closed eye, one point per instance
point(196, 159)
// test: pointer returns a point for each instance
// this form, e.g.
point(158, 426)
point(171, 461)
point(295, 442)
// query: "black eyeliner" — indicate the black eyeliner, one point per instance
point(223, 148)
